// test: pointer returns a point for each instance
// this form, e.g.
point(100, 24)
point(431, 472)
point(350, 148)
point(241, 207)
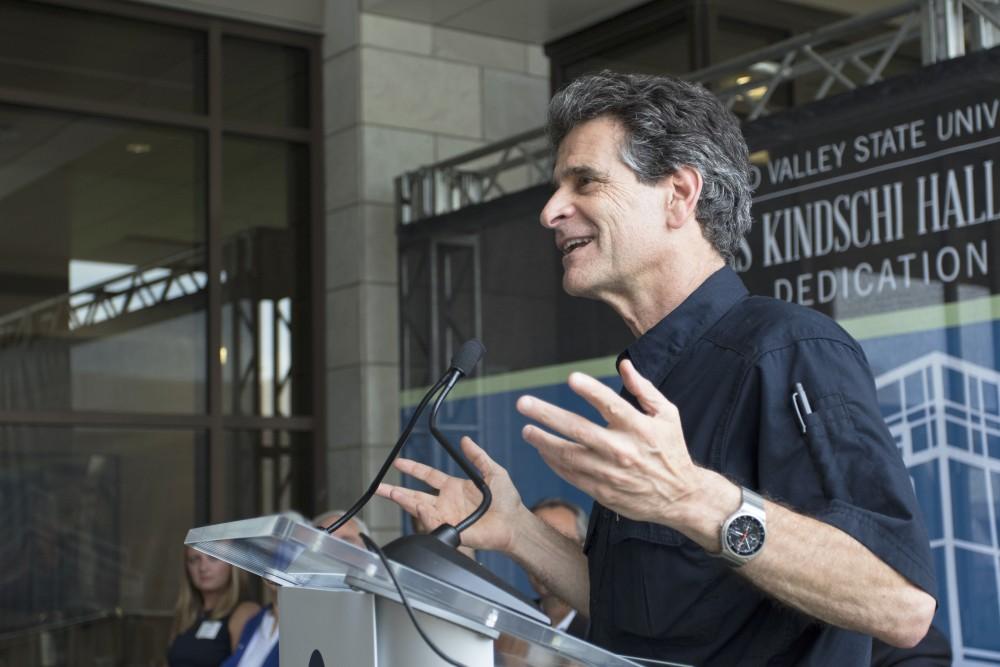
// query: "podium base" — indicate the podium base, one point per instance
point(323, 628)
point(430, 556)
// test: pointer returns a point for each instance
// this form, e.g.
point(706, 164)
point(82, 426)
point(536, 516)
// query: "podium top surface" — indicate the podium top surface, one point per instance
point(288, 552)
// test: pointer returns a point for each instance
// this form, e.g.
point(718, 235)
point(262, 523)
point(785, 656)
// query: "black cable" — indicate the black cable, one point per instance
point(469, 470)
point(402, 596)
point(347, 516)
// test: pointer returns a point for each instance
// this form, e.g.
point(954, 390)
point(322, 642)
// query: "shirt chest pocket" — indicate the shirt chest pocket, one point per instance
point(830, 436)
point(659, 581)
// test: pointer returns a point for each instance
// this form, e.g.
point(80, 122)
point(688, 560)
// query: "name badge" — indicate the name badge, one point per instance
point(208, 630)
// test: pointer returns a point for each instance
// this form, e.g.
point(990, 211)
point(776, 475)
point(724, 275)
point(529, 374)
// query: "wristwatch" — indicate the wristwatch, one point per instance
point(743, 533)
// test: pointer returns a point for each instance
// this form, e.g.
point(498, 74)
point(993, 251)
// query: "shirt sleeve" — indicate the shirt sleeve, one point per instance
point(845, 469)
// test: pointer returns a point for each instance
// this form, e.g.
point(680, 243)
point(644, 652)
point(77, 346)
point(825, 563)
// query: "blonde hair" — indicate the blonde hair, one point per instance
point(190, 602)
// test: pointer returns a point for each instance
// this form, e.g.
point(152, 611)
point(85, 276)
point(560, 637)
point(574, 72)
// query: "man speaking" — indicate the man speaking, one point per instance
point(750, 504)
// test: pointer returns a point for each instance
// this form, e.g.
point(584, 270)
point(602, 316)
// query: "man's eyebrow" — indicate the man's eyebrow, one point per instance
point(580, 171)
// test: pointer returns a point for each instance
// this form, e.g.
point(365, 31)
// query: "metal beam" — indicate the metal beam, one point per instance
point(835, 51)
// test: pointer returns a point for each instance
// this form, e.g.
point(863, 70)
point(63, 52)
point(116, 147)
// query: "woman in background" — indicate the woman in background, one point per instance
point(210, 615)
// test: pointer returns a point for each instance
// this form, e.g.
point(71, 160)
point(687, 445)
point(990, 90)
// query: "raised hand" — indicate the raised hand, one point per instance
point(638, 464)
point(457, 498)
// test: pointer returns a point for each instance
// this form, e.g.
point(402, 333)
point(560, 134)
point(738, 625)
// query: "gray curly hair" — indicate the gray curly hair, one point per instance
point(669, 123)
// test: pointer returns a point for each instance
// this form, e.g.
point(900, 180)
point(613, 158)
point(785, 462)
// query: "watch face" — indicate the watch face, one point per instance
point(745, 536)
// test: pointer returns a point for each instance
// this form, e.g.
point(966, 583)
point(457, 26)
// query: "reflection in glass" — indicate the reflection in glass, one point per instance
point(977, 589)
point(94, 520)
point(969, 503)
point(104, 58)
point(927, 485)
point(265, 323)
point(263, 472)
point(264, 83)
point(102, 296)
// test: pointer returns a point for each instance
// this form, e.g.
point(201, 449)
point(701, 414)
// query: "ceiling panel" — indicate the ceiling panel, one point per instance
point(533, 21)
point(537, 22)
point(541, 21)
point(435, 12)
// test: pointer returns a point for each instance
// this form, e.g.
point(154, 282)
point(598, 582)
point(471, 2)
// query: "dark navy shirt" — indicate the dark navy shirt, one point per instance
point(189, 650)
point(729, 362)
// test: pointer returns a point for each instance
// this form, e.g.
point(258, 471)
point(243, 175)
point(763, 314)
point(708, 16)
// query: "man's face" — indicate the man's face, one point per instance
point(609, 227)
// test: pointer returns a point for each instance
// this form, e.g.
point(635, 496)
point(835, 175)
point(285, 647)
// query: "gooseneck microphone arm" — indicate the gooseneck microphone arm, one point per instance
point(435, 554)
point(457, 457)
point(450, 377)
point(461, 364)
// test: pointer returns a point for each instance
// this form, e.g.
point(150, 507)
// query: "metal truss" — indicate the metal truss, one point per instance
point(841, 56)
point(176, 277)
point(257, 349)
point(281, 471)
point(440, 308)
point(259, 312)
point(753, 80)
point(474, 177)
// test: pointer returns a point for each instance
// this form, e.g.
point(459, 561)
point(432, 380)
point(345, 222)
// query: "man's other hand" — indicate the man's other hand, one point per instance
point(457, 498)
point(637, 464)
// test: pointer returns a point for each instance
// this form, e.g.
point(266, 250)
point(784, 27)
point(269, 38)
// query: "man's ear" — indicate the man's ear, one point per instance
point(685, 189)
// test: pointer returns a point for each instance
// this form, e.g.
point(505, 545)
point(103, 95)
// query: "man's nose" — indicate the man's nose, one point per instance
point(558, 208)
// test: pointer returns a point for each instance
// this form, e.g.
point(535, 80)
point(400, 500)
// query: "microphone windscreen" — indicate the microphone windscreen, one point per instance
point(468, 356)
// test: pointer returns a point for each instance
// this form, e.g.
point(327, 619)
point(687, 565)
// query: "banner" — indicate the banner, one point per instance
point(881, 208)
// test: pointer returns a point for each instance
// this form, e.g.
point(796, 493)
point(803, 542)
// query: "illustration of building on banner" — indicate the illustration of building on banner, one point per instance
point(944, 414)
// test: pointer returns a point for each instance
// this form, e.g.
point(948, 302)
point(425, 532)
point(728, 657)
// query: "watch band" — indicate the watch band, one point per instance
point(754, 500)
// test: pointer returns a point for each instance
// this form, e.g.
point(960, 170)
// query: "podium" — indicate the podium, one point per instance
point(337, 606)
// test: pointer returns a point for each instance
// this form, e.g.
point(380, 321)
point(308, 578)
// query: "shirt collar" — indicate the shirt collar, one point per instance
point(655, 352)
point(567, 619)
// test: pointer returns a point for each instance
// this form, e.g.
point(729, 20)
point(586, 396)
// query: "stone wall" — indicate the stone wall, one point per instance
point(397, 95)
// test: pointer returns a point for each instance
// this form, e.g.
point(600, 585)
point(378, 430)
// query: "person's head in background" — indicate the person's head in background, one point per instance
point(566, 517)
point(570, 520)
point(349, 532)
point(209, 586)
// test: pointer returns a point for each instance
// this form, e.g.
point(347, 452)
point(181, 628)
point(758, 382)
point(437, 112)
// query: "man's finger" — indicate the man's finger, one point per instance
point(573, 426)
point(612, 407)
point(432, 477)
point(478, 456)
point(559, 452)
point(571, 472)
point(649, 397)
point(408, 499)
point(537, 436)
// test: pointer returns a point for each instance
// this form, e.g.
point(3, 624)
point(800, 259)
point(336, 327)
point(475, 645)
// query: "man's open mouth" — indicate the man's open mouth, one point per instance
point(574, 244)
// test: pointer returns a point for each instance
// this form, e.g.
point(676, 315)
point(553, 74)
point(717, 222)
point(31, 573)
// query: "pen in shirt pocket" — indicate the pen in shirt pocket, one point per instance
point(800, 401)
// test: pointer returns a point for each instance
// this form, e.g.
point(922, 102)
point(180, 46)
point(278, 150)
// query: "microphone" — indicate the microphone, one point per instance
point(436, 554)
point(462, 364)
point(467, 357)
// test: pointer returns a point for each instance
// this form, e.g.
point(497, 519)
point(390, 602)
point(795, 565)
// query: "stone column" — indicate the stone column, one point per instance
point(397, 95)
